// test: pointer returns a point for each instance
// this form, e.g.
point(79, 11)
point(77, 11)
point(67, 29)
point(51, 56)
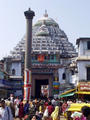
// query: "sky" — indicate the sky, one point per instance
point(72, 16)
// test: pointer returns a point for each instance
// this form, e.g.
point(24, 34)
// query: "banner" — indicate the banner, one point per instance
point(27, 85)
point(84, 86)
point(56, 86)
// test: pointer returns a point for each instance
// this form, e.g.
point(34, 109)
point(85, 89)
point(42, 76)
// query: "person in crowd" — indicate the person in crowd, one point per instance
point(16, 109)
point(86, 113)
point(45, 104)
point(2, 110)
point(5, 112)
point(11, 98)
point(69, 102)
point(60, 105)
point(21, 109)
point(32, 108)
point(26, 108)
point(11, 105)
point(53, 101)
point(16, 104)
point(55, 114)
point(37, 105)
point(12, 108)
point(68, 115)
point(50, 108)
point(38, 117)
point(33, 118)
point(76, 115)
point(64, 107)
point(16, 101)
point(41, 108)
point(45, 114)
point(40, 111)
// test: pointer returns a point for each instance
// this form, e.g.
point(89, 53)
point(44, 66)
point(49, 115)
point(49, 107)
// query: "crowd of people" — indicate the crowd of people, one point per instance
point(46, 109)
point(27, 110)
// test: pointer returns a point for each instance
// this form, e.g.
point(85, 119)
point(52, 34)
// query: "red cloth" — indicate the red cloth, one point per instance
point(46, 104)
point(50, 109)
point(21, 110)
point(64, 106)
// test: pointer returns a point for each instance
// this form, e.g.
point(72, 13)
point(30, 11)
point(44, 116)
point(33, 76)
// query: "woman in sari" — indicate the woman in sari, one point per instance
point(55, 114)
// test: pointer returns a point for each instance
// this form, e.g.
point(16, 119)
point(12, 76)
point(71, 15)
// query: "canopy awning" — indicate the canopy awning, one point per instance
point(69, 91)
point(66, 95)
point(82, 92)
point(77, 106)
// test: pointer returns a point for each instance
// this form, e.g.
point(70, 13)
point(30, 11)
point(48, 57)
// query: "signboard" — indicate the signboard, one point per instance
point(84, 86)
point(56, 85)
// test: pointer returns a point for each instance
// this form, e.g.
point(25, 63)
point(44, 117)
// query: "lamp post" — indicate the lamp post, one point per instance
point(27, 70)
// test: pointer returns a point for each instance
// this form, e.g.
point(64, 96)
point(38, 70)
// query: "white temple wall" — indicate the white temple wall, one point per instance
point(82, 71)
point(65, 61)
point(17, 67)
point(60, 73)
point(74, 79)
point(87, 52)
point(83, 51)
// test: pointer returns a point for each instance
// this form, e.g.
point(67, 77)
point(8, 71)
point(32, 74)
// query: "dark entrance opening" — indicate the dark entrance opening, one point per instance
point(88, 73)
point(38, 84)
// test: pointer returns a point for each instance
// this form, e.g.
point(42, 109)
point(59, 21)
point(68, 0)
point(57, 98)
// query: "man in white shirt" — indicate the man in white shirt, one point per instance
point(5, 112)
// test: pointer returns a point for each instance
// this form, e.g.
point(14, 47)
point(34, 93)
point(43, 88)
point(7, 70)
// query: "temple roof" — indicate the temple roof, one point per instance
point(45, 20)
point(48, 38)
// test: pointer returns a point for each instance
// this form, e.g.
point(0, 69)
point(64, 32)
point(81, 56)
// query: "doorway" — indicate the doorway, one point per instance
point(38, 87)
point(88, 73)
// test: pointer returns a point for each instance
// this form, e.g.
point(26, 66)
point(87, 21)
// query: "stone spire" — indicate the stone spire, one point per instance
point(46, 14)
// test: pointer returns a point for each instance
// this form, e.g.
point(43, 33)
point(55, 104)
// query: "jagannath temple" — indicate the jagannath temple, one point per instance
point(52, 53)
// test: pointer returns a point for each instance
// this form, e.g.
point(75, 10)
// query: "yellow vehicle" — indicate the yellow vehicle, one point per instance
point(77, 106)
point(74, 107)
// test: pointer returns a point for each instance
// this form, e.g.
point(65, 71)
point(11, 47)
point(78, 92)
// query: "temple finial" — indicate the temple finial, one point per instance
point(29, 9)
point(45, 15)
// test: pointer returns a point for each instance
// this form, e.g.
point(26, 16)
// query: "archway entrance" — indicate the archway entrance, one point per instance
point(39, 84)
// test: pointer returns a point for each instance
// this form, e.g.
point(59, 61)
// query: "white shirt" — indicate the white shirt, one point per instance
point(2, 111)
point(6, 113)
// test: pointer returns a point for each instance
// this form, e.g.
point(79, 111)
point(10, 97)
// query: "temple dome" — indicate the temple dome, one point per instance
point(46, 20)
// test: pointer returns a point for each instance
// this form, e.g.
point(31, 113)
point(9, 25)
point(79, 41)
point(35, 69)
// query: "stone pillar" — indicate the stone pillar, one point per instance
point(28, 48)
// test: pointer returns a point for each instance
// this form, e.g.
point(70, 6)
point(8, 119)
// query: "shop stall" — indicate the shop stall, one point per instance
point(83, 91)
